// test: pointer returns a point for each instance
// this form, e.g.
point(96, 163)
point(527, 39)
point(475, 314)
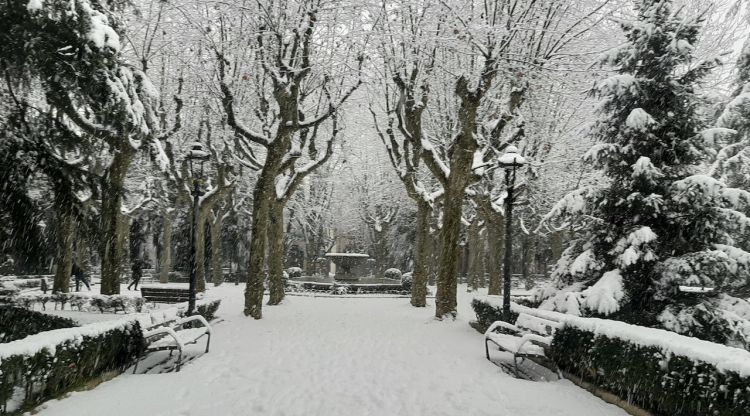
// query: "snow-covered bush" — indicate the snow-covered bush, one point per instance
point(692, 377)
point(83, 302)
point(394, 274)
point(18, 323)
point(294, 272)
point(406, 280)
point(55, 361)
point(207, 309)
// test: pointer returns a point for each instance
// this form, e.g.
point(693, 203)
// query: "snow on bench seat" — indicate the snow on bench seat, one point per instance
point(182, 337)
point(515, 344)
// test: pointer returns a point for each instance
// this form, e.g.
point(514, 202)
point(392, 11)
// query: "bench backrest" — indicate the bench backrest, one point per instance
point(536, 324)
point(166, 295)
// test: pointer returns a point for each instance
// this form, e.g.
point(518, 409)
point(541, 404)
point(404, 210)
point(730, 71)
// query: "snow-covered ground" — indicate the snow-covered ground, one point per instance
point(330, 356)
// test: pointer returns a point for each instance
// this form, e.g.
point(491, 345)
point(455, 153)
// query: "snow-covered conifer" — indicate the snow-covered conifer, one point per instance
point(656, 229)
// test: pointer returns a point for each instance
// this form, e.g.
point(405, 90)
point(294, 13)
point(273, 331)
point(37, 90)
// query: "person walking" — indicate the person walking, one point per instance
point(137, 274)
point(78, 273)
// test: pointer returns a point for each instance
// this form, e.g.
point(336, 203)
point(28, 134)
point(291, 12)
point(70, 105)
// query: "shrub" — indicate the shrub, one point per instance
point(394, 274)
point(207, 309)
point(18, 323)
point(489, 312)
point(294, 272)
point(45, 365)
point(658, 379)
point(83, 302)
point(406, 280)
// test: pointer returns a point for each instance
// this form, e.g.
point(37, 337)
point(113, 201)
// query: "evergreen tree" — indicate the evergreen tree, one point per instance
point(656, 230)
point(732, 163)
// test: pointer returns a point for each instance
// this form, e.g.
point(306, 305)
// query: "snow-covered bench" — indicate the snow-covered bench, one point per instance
point(173, 336)
point(529, 338)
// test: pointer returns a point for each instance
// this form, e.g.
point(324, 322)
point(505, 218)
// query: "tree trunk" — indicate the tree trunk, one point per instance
point(496, 246)
point(276, 253)
point(434, 252)
point(217, 275)
point(165, 261)
point(421, 256)
point(256, 275)
point(112, 235)
point(447, 279)
point(64, 240)
point(475, 255)
point(455, 185)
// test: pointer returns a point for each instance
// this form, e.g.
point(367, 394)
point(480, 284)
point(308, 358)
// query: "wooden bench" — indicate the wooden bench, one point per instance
point(165, 294)
point(173, 336)
point(530, 338)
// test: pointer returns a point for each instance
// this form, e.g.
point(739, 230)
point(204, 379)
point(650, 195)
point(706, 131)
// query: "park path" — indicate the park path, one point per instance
point(330, 357)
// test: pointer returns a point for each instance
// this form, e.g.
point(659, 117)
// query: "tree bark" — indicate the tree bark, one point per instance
point(421, 256)
point(256, 275)
point(113, 237)
point(276, 253)
point(64, 239)
point(216, 225)
point(461, 158)
point(475, 255)
point(447, 279)
point(165, 261)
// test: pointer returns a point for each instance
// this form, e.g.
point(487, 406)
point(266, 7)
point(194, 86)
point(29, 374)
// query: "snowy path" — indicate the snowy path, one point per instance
point(326, 356)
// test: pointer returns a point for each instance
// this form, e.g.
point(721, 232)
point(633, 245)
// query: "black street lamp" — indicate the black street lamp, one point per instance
point(510, 161)
point(196, 156)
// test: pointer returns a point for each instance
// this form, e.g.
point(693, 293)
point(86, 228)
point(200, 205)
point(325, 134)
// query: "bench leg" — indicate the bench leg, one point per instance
point(515, 365)
point(179, 360)
point(208, 341)
point(486, 348)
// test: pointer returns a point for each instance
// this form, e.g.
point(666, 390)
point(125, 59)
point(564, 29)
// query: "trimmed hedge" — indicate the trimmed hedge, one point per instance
point(46, 365)
point(82, 302)
point(17, 323)
point(488, 313)
point(665, 384)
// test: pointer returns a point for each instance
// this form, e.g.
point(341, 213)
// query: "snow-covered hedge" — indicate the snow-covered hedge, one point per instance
point(18, 323)
point(82, 302)
point(659, 371)
point(45, 365)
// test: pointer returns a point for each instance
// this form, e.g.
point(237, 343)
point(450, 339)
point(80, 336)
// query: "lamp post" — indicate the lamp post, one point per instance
point(510, 161)
point(196, 156)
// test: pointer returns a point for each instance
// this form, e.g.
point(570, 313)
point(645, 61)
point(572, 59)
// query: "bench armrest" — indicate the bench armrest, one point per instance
point(535, 338)
point(192, 318)
point(501, 324)
point(164, 330)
